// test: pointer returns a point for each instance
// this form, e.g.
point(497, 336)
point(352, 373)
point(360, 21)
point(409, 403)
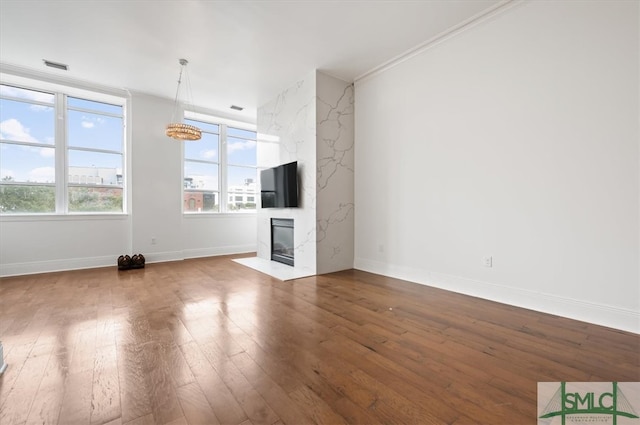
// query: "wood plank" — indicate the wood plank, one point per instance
point(253, 404)
point(15, 408)
point(273, 394)
point(142, 420)
point(162, 394)
point(47, 402)
point(195, 406)
point(18, 349)
point(76, 404)
point(134, 393)
point(319, 410)
point(224, 404)
point(105, 401)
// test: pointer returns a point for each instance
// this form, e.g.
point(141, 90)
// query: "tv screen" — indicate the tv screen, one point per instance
point(279, 186)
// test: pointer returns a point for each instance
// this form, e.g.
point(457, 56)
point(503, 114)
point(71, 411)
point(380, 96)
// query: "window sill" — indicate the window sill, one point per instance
point(218, 215)
point(63, 217)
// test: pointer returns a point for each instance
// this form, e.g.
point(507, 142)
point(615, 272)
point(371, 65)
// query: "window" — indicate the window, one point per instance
point(59, 154)
point(220, 170)
point(241, 167)
point(95, 138)
point(201, 168)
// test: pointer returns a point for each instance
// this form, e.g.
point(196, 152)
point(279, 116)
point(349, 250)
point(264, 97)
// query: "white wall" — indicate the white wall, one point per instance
point(30, 245)
point(207, 235)
point(518, 139)
point(49, 243)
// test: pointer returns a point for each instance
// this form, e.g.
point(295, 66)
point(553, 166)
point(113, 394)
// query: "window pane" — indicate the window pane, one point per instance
point(204, 126)
point(241, 151)
point(74, 102)
point(200, 201)
point(17, 199)
point(19, 93)
point(25, 122)
point(21, 163)
point(242, 188)
point(205, 149)
point(243, 134)
point(95, 131)
point(95, 199)
point(200, 176)
point(95, 168)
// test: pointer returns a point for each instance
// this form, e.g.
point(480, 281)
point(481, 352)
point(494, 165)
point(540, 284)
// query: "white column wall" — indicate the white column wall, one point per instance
point(312, 123)
point(157, 178)
point(517, 138)
point(286, 133)
point(334, 185)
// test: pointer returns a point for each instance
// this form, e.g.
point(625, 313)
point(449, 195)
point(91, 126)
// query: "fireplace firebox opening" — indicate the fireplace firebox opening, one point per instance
point(282, 240)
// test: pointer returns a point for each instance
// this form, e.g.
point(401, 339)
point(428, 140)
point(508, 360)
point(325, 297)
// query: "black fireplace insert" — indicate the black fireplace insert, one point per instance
point(282, 240)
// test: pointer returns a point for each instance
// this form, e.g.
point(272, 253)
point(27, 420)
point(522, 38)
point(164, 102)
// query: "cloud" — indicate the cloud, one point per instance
point(12, 129)
point(90, 122)
point(42, 175)
point(241, 146)
point(38, 96)
point(47, 152)
point(208, 154)
point(39, 108)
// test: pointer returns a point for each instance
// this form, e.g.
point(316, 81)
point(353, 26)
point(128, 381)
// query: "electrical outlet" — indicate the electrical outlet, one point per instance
point(380, 248)
point(153, 241)
point(488, 261)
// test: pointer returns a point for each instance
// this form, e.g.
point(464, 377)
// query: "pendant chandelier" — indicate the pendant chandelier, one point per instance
point(179, 130)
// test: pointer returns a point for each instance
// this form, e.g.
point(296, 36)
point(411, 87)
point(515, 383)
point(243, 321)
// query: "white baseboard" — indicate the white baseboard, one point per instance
point(162, 257)
point(19, 269)
point(213, 252)
point(34, 267)
point(604, 315)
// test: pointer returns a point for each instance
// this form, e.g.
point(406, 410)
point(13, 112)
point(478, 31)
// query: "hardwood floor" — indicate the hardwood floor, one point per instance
point(209, 341)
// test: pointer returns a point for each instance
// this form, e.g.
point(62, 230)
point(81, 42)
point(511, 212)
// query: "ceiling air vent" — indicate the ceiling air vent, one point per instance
point(236, 108)
point(56, 65)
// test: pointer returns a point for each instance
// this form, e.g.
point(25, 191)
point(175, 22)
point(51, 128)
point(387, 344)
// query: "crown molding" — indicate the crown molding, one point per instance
point(451, 32)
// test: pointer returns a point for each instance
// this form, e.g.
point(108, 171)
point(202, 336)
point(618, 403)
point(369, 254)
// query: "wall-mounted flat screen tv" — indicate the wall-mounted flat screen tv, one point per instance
point(279, 186)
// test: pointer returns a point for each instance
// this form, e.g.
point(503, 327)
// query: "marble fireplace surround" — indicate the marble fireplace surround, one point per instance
point(311, 122)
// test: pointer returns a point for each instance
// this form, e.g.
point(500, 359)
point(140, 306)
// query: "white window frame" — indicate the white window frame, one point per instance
point(61, 92)
point(223, 124)
point(69, 184)
point(200, 161)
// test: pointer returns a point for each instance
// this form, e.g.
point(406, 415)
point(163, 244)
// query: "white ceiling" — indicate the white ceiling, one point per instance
point(239, 52)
